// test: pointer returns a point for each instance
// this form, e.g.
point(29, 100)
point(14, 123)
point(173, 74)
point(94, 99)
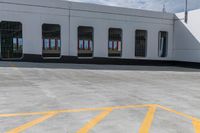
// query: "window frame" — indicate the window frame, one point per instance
point(78, 39)
point(146, 43)
point(22, 35)
point(121, 39)
point(60, 52)
point(167, 43)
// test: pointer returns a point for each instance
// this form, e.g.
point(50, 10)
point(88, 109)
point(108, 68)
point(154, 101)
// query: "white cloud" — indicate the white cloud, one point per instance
point(171, 5)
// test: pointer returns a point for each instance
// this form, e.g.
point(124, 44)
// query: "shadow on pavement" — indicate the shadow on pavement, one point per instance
point(95, 67)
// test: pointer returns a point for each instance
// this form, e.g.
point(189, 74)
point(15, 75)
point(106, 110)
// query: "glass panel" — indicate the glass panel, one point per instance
point(140, 43)
point(51, 40)
point(11, 40)
point(115, 42)
point(91, 45)
point(85, 41)
point(162, 44)
point(59, 44)
point(86, 45)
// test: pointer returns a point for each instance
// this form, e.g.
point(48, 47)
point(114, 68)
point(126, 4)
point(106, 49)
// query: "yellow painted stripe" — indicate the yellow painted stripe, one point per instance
point(196, 125)
point(178, 113)
point(144, 128)
point(94, 121)
point(24, 114)
point(75, 110)
point(99, 109)
point(31, 123)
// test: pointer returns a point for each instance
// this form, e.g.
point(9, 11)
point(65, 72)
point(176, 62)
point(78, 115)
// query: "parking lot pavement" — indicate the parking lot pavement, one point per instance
point(77, 98)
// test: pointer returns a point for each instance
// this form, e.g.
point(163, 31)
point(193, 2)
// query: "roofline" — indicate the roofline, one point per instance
point(90, 7)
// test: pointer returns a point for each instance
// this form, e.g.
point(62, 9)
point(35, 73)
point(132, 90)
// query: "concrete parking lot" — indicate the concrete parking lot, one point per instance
point(78, 98)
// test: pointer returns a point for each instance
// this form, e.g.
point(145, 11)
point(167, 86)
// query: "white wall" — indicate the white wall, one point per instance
point(32, 18)
point(187, 37)
point(101, 22)
point(101, 18)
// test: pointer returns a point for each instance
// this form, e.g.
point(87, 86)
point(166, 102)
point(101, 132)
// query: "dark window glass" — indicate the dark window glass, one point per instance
point(115, 42)
point(11, 39)
point(51, 40)
point(162, 44)
point(85, 41)
point(140, 43)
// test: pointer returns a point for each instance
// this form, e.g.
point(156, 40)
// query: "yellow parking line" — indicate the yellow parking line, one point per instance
point(145, 126)
point(179, 113)
point(31, 123)
point(94, 121)
point(148, 120)
point(24, 114)
point(75, 110)
point(196, 125)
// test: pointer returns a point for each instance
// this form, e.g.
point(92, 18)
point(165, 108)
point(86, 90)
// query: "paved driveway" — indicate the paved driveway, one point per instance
point(72, 98)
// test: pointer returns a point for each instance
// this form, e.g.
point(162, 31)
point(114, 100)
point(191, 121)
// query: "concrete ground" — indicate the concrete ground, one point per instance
point(70, 98)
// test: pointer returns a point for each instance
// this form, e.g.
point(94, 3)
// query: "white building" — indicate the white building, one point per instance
point(61, 31)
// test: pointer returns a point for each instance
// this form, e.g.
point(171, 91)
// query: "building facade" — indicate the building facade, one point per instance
point(61, 31)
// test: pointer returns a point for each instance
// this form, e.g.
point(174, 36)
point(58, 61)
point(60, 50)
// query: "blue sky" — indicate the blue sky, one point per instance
point(171, 5)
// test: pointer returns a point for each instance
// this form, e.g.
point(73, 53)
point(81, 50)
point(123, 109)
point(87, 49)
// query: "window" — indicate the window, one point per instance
point(115, 42)
point(140, 43)
point(162, 43)
point(11, 40)
point(85, 41)
point(51, 40)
